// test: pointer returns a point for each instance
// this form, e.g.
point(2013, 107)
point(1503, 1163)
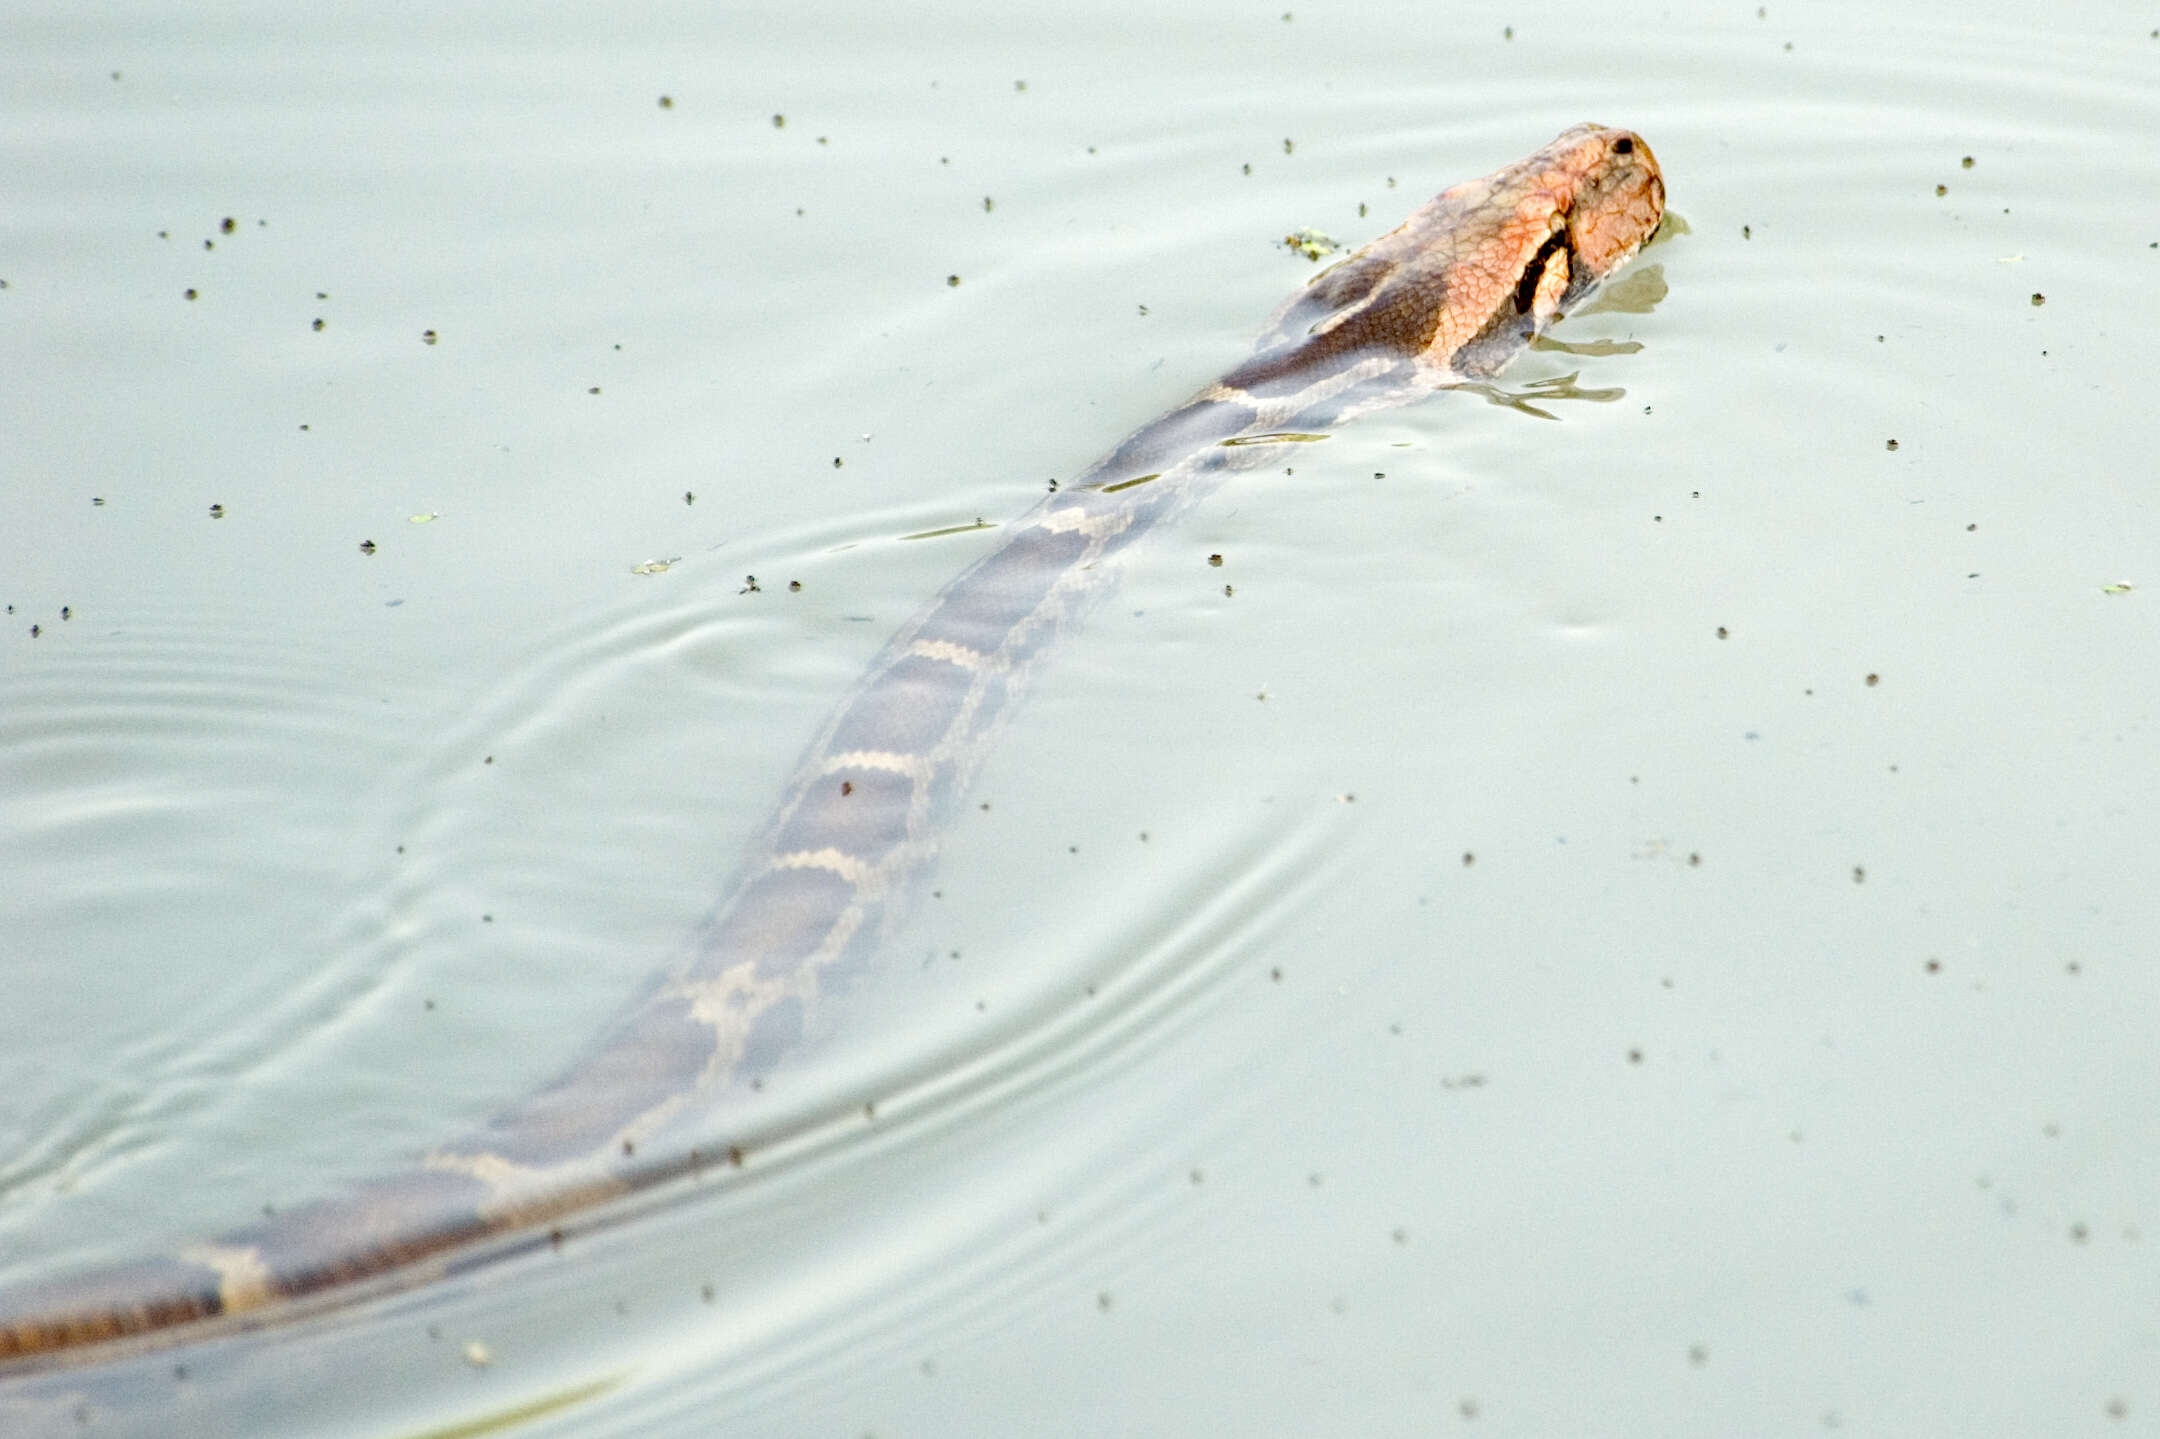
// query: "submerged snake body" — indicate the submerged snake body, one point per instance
point(1452, 295)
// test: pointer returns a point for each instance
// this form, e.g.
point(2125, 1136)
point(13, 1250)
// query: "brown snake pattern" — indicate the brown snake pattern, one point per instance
point(1450, 296)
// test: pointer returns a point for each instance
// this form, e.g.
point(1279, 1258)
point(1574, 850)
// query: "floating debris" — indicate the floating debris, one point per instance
point(1312, 244)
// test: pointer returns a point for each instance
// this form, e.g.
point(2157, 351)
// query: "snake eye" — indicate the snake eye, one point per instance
point(1625, 145)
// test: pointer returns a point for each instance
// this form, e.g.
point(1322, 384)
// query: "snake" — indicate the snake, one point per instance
point(1446, 299)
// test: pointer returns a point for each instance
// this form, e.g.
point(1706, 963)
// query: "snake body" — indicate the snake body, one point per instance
point(1450, 296)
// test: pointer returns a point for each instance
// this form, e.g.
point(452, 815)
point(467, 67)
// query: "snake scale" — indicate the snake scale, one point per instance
point(1450, 296)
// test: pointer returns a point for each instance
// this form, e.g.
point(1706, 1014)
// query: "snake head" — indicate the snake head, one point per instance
point(1479, 270)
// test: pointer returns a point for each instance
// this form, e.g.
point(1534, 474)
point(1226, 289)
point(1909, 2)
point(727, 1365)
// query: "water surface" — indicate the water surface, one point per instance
point(1631, 924)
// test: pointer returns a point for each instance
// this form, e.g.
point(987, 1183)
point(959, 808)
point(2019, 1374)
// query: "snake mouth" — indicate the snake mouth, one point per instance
point(1620, 208)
